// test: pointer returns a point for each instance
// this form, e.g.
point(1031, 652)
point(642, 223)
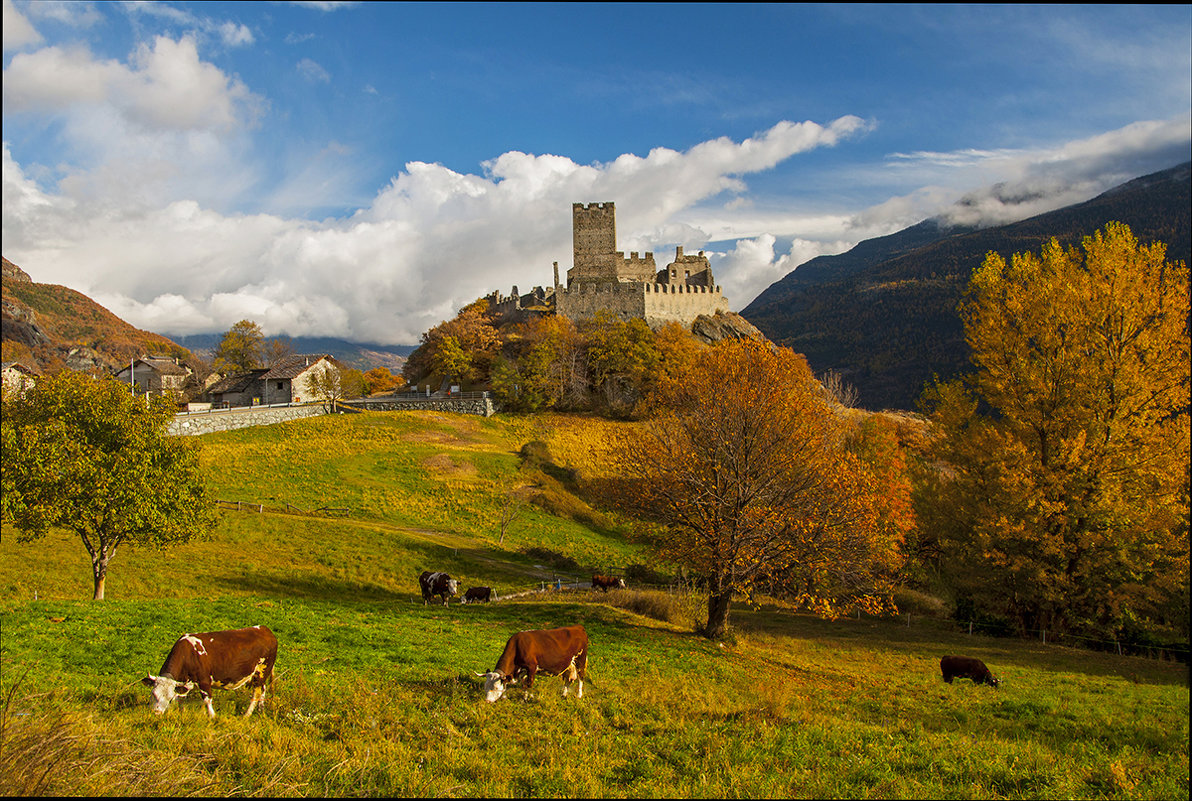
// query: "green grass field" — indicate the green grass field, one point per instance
point(375, 694)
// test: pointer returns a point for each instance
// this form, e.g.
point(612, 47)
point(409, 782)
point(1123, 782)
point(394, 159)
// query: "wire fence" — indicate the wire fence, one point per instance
point(1170, 652)
point(1122, 647)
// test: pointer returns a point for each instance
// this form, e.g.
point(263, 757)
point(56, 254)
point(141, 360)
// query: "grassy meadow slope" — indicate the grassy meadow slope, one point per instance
point(376, 694)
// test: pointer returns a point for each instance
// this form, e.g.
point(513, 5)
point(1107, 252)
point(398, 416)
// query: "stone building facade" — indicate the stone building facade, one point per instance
point(603, 278)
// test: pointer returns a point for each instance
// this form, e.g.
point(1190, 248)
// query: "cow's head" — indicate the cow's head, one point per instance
point(621, 583)
point(494, 684)
point(165, 690)
point(453, 586)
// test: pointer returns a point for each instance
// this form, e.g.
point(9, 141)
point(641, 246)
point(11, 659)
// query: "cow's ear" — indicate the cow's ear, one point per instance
point(182, 689)
point(149, 680)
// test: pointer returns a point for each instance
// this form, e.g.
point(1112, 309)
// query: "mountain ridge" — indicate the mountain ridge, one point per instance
point(883, 314)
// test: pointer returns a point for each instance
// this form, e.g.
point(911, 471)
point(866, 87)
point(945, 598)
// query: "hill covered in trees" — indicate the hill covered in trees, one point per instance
point(50, 327)
point(883, 314)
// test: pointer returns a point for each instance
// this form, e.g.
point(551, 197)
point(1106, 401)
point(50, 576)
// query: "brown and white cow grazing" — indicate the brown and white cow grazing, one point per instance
point(439, 584)
point(966, 667)
point(606, 582)
point(555, 652)
point(484, 594)
point(224, 659)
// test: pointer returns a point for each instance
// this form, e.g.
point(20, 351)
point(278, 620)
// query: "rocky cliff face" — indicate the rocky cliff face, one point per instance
point(10, 270)
point(710, 329)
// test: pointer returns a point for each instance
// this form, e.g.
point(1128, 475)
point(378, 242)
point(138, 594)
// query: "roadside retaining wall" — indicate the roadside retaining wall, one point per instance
point(480, 406)
point(229, 419)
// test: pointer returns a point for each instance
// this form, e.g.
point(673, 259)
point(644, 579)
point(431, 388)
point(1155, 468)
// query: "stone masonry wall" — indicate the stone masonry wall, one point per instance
point(657, 304)
point(479, 406)
point(230, 419)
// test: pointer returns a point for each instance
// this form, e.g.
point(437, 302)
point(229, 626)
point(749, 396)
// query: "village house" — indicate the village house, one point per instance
point(289, 380)
point(157, 374)
point(237, 389)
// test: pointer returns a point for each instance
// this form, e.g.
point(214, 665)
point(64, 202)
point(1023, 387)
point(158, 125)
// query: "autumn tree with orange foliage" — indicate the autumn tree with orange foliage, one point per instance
point(461, 348)
point(1062, 499)
point(380, 379)
point(746, 466)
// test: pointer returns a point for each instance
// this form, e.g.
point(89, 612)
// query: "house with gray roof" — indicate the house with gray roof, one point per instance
point(157, 374)
point(289, 380)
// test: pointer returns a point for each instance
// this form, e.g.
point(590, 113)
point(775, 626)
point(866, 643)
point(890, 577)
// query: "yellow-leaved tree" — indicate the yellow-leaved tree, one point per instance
point(1062, 499)
point(746, 466)
point(88, 456)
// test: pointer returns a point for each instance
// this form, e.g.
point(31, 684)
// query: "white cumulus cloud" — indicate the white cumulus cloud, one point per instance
point(430, 241)
point(142, 215)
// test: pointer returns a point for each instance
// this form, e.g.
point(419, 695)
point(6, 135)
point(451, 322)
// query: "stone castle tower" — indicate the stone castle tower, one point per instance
point(602, 278)
point(595, 256)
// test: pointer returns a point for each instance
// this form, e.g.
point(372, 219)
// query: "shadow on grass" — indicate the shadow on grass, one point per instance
point(310, 587)
point(931, 639)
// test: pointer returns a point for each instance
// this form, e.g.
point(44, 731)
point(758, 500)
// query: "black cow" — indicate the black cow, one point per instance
point(966, 667)
point(439, 584)
point(484, 594)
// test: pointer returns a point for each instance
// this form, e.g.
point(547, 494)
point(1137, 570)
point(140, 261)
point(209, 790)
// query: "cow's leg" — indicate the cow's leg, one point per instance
point(581, 665)
point(569, 675)
point(530, 669)
point(258, 693)
point(207, 700)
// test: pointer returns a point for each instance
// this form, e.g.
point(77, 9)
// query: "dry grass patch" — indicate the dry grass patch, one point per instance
point(443, 464)
point(682, 609)
point(50, 751)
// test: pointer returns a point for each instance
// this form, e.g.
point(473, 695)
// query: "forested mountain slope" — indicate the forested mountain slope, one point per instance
point(884, 314)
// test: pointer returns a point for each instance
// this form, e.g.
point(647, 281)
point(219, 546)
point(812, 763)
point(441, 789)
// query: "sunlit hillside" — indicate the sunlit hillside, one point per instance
point(376, 694)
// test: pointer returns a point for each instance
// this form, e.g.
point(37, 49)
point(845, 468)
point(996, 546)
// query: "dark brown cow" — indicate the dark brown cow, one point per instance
point(479, 594)
point(439, 584)
point(607, 582)
point(224, 659)
point(966, 667)
point(555, 652)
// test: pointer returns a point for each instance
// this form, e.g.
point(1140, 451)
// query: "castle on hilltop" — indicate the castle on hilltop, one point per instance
point(603, 279)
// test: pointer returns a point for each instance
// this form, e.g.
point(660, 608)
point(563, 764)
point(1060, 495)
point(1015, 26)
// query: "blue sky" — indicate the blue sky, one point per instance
point(363, 170)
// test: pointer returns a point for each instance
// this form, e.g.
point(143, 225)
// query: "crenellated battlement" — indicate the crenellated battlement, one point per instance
point(637, 288)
